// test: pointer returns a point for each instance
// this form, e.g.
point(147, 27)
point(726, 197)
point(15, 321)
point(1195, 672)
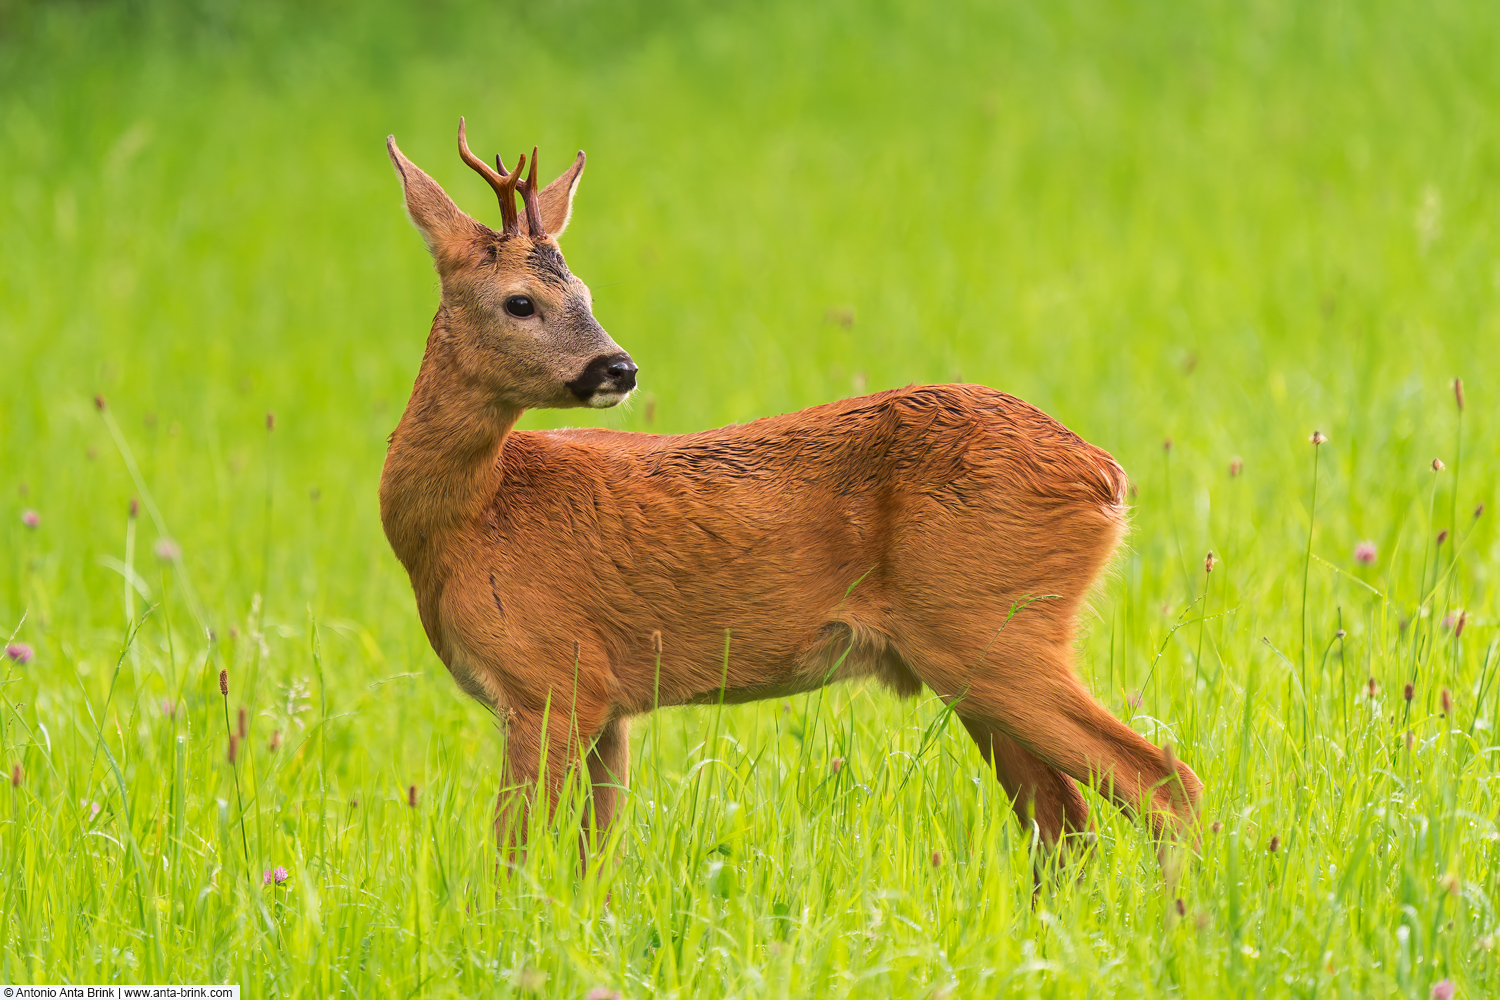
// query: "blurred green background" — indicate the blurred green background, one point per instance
point(1219, 225)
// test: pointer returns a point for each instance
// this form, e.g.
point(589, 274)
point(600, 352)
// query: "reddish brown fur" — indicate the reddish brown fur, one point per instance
point(941, 535)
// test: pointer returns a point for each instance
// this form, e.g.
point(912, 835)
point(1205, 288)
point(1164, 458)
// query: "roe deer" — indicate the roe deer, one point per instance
point(597, 572)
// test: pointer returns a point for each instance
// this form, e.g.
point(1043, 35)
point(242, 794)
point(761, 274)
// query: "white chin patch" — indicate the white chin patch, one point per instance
point(604, 400)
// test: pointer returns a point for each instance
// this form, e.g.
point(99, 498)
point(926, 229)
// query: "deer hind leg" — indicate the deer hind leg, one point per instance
point(1028, 692)
point(1040, 795)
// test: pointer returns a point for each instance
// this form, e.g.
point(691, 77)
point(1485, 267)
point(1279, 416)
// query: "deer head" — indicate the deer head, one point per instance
point(515, 320)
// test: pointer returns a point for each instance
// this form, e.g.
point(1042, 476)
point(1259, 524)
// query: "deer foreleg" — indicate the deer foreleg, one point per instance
point(609, 774)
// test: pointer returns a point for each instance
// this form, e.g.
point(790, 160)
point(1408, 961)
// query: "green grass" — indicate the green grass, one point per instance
point(1223, 225)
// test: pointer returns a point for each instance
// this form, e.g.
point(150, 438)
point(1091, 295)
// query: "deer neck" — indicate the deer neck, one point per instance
point(442, 469)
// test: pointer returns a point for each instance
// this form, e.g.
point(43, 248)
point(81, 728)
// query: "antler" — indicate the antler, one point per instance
point(503, 183)
point(533, 203)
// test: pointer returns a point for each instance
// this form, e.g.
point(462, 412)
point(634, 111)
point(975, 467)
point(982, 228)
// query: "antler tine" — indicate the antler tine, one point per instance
point(514, 179)
point(504, 184)
point(533, 203)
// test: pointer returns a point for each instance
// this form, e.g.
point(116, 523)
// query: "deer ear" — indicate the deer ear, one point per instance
point(440, 222)
point(557, 198)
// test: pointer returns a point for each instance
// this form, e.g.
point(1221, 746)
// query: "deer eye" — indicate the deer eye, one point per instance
point(520, 305)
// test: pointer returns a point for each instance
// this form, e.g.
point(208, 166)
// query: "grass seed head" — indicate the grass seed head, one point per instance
point(99, 403)
point(836, 765)
point(1437, 465)
point(234, 748)
point(1458, 393)
point(1216, 827)
point(1410, 740)
point(1408, 691)
point(1478, 512)
point(275, 743)
point(17, 775)
point(1181, 907)
point(1371, 688)
point(1442, 536)
point(1447, 697)
point(1275, 844)
point(1166, 445)
point(135, 508)
point(224, 683)
point(1209, 561)
point(411, 796)
point(937, 859)
point(1236, 466)
point(270, 421)
point(1318, 438)
point(1458, 629)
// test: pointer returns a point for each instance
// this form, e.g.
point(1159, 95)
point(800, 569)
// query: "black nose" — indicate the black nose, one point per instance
point(622, 372)
point(610, 374)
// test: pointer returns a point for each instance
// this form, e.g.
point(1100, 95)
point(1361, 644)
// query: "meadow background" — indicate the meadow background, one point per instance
point(1195, 233)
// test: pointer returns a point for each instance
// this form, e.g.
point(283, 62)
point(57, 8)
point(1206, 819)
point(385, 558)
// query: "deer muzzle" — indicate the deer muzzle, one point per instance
point(605, 381)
